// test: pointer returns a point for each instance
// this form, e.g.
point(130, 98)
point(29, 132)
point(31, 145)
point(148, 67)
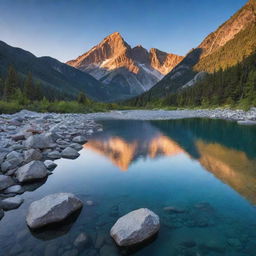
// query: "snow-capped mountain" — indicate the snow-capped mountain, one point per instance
point(115, 62)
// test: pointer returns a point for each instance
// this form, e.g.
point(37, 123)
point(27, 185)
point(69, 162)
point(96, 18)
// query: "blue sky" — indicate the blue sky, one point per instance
point(64, 29)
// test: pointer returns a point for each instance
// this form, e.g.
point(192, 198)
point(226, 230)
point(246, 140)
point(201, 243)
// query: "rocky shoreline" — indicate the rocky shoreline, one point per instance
point(30, 141)
point(241, 116)
point(29, 144)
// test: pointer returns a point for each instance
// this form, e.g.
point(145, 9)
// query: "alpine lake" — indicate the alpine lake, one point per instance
point(203, 170)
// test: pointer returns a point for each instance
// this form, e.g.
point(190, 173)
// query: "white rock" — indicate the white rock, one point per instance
point(31, 171)
point(51, 209)
point(135, 227)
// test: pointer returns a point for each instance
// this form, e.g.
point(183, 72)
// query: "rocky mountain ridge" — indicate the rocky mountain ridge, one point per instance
point(113, 61)
point(229, 44)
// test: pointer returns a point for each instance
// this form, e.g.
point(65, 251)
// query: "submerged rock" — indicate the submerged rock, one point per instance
point(81, 240)
point(51, 209)
point(32, 171)
point(135, 227)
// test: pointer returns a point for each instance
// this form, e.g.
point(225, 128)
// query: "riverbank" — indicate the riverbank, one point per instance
point(225, 114)
point(30, 141)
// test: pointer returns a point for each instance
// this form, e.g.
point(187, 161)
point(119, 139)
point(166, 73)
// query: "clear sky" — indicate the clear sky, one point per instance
point(65, 29)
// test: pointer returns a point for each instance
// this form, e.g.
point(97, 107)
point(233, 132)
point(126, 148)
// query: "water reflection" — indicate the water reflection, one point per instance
point(222, 148)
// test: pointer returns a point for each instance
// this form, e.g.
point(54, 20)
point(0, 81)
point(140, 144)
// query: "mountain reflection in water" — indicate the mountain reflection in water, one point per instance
point(222, 148)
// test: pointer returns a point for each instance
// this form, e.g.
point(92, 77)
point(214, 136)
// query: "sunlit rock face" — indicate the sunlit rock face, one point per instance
point(113, 61)
point(230, 166)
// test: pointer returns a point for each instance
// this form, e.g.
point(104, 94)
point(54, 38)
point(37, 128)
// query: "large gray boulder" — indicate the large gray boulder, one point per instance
point(32, 171)
point(39, 141)
point(69, 153)
point(5, 182)
point(135, 227)
point(51, 209)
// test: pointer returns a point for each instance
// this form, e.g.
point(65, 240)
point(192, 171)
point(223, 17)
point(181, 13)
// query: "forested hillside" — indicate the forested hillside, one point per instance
point(234, 86)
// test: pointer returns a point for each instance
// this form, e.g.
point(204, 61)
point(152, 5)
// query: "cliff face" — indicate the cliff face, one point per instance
point(113, 61)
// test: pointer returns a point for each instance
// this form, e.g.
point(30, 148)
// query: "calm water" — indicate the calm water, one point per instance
point(207, 168)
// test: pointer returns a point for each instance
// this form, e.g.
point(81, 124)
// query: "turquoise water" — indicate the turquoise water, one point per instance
point(204, 168)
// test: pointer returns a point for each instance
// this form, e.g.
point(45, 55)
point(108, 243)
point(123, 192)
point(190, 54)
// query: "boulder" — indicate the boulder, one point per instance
point(54, 155)
point(13, 160)
point(69, 153)
point(11, 203)
point(50, 164)
point(32, 171)
point(5, 182)
point(39, 141)
point(79, 139)
point(15, 189)
point(51, 209)
point(32, 154)
point(135, 227)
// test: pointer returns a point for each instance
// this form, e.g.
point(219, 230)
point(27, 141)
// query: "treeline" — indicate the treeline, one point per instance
point(14, 86)
point(18, 92)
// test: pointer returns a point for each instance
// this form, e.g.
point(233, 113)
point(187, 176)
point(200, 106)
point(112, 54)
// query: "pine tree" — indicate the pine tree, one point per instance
point(82, 99)
point(11, 83)
point(29, 87)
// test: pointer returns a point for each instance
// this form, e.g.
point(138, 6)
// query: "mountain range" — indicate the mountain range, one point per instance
point(228, 45)
point(114, 62)
point(114, 71)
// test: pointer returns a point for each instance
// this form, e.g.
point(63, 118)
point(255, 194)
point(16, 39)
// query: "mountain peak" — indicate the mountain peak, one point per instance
point(114, 36)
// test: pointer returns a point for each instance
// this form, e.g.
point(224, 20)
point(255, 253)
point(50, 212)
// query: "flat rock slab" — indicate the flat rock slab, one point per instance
point(11, 203)
point(32, 171)
point(51, 209)
point(135, 227)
